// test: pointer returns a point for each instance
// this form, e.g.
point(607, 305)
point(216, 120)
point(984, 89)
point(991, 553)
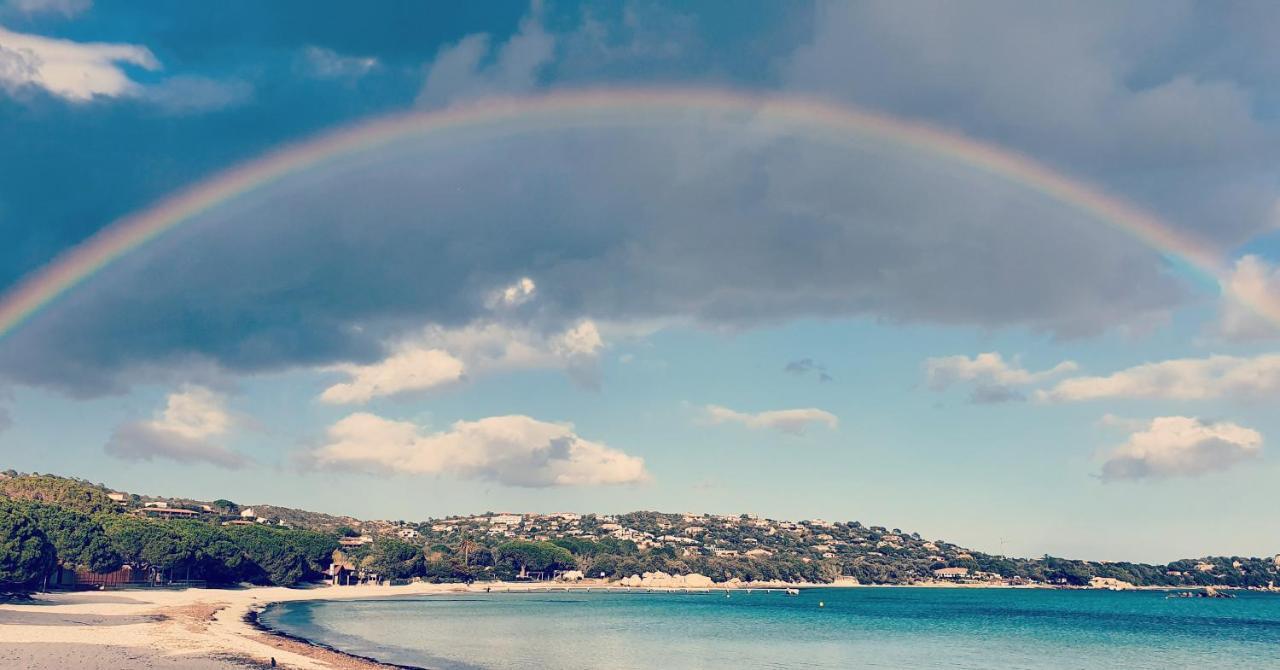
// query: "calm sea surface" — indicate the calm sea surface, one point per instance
point(857, 628)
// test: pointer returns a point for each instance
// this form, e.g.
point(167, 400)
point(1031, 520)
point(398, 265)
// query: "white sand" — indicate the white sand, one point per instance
point(202, 629)
point(193, 628)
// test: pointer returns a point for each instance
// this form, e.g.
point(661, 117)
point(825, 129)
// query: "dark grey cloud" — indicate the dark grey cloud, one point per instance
point(993, 394)
point(805, 366)
point(730, 222)
point(718, 220)
point(1159, 100)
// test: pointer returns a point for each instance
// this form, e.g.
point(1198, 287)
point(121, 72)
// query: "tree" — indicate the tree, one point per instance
point(26, 554)
point(466, 546)
point(226, 506)
point(272, 557)
point(523, 556)
point(78, 540)
point(61, 491)
point(394, 559)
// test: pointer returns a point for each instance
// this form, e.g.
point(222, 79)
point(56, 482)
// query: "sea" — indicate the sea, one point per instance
point(1031, 629)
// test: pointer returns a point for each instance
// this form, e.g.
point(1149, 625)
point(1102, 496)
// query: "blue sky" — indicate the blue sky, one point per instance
point(698, 313)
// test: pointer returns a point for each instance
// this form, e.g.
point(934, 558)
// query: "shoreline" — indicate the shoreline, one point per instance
point(315, 647)
point(218, 629)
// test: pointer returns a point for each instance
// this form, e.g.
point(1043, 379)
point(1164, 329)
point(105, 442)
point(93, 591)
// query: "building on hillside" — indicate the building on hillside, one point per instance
point(118, 497)
point(951, 573)
point(157, 504)
point(248, 513)
point(506, 519)
point(408, 534)
point(355, 541)
point(168, 513)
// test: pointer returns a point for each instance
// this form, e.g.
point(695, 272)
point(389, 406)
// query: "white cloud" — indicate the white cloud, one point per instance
point(329, 64)
point(994, 379)
point(792, 421)
point(180, 432)
point(189, 94)
point(441, 356)
point(465, 70)
point(65, 8)
point(1252, 282)
point(1178, 379)
point(516, 294)
point(409, 370)
point(73, 70)
point(1181, 446)
point(82, 71)
point(513, 450)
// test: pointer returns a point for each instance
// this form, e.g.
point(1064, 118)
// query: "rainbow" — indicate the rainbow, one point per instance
point(584, 107)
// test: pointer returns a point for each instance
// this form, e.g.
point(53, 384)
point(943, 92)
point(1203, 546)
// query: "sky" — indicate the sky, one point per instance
point(660, 303)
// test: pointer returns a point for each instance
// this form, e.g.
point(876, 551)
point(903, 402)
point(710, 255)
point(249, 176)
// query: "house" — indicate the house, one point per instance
point(506, 519)
point(408, 534)
point(354, 541)
point(157, 504)
point(118, 497)
point(248, 513)
point(759, 553)
point(951, 573)
point(168, 513)
point(725, 552)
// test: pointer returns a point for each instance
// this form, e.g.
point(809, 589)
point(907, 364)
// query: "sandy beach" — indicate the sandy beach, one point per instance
point(192, 628)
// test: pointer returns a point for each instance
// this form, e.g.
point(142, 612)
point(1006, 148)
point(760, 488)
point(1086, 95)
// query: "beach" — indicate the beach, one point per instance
point(202, 629)
point(189, 628)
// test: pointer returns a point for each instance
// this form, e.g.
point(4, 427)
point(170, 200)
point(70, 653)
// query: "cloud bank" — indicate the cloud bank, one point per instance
point(184, 431)
point(1216, 376)
point(511, 450)
point(442, 356)
point(1180, 446)
point(994, 380)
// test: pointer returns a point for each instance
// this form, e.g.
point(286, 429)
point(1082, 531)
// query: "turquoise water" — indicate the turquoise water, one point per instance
point(857, 628)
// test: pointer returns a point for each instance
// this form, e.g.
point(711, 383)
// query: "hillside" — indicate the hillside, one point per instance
point(506, 545)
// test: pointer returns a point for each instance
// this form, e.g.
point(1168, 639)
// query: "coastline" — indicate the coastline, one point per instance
point(217, 629)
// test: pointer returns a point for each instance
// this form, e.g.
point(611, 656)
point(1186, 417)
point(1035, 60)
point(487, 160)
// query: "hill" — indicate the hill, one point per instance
point(220, 541)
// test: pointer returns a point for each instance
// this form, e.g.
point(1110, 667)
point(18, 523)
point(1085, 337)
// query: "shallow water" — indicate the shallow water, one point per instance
point(856, 628)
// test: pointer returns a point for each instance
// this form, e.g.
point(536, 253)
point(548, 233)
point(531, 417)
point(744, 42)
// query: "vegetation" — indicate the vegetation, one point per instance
point(49, 525)
point(65, 492)
point(26, 555)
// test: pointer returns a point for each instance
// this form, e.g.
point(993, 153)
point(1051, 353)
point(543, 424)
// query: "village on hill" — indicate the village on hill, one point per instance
point(126, 537)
